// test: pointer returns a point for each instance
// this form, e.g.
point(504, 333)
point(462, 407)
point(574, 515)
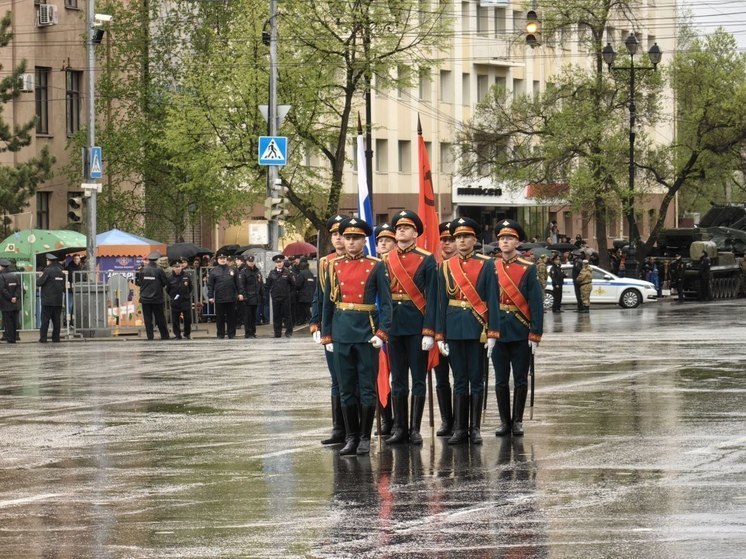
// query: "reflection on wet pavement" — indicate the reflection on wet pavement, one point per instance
point(210, 449)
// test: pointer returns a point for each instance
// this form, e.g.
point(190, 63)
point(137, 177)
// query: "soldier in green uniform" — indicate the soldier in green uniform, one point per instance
point(521, 324)
point(385, 242)
point(353, 327)
point(414, 285)
point(467, 320)
point(338, 426)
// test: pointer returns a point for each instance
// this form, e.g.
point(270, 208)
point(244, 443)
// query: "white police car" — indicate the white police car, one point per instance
point(628, 293)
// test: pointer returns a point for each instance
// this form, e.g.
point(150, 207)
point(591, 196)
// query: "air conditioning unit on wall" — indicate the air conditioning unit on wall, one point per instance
point(27, 82)
point(47, 15)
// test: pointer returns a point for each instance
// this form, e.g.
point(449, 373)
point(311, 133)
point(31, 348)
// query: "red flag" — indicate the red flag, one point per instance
point(383, 376)
point(430, 239)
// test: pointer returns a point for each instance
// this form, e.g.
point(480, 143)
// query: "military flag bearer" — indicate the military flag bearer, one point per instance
point(521, 323)
point(468, 319)
point(414, 285)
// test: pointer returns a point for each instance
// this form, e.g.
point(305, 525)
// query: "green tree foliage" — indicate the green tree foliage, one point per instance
point(709, 80)
point(19, 181)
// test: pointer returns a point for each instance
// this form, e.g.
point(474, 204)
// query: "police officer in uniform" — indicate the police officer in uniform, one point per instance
point(52, 284)
point(558, 280)
point(414, 284)
point(468, 320)
point(521, 325)
point(251, 288)
point(332, 225)
point(10, 304)
point(180, 293)
point(442, 371)
point(385, 242)
point(281, 286)
point(222, 290)
point(152, 281)
point(353, 328)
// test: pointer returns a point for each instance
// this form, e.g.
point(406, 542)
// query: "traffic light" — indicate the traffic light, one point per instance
point(275, 206)
point(75, 207)
point(533, 29)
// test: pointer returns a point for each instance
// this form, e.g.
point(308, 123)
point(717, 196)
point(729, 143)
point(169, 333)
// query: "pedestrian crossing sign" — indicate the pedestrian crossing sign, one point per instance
point(96, 167)
point(273, 150)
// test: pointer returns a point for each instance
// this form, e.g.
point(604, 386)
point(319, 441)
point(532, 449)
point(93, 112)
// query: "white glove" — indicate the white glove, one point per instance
point(427, 343)
point(490, 345)
point(329, 348)
point(533, 345)
point(376, 342)
point(443, 348)
point(316, 336)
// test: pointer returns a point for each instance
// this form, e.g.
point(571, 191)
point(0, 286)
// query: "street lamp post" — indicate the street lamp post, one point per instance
point(609, 55)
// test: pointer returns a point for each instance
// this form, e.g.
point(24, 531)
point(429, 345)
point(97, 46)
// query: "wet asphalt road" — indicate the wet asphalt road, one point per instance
point(130, 449)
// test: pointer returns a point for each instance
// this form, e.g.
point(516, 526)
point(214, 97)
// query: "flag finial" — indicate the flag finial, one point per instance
point(419, 125)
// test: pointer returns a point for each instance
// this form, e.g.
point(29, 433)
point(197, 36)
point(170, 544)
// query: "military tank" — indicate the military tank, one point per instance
point(721, 233)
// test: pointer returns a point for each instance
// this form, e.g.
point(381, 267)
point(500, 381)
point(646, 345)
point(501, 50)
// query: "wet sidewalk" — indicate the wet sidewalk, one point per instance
point(209, 448)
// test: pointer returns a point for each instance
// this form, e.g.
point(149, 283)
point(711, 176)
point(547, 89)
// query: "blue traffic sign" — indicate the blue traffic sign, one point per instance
point(96, 165)
point(273, 150)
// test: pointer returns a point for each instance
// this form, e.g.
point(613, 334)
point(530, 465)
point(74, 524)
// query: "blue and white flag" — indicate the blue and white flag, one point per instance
point(364, 207)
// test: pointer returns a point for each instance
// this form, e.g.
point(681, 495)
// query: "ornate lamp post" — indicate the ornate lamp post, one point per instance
point(609, 55)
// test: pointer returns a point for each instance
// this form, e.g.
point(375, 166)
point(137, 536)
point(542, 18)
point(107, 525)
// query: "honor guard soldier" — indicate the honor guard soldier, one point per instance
point(152, 281)
point(332, 225)
point(468, 319)
point(180, 294)
point(414, 286)
point(385, 239)
point(52, 284)
point(353, 327)
point(442, 371)
point(385, 242)
point(281, 286)
point(222, 290)
point(10, 295)
point(521, 323)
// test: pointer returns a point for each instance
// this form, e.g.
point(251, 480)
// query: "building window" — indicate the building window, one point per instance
point(446, 158)
point(500, 17)
point(382, 156)
point(73, 81)
point(446, 86)
point(465, 16)
point(42, 209)
point(405, 156)
point(71, 4)
point(483, 20)
point(465, 89)
point(382, 218)
point(483, 86)
point(41, 91)
point(426, 84)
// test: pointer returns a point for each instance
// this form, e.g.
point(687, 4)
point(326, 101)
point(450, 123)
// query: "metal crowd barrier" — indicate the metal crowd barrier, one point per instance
point(29, 315)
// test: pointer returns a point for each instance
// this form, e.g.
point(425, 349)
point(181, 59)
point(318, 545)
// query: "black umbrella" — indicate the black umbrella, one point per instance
point(527, 246)
point(186, 250)
point(229, 249)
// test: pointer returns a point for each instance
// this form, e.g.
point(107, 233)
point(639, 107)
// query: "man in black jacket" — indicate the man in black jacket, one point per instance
point(10, 294)
point(577, 266)
point(180, 293)
point(281, 285)
point(306, 283)
point(223, 290)
point(558, 279)
point(251, 286)
point(152, 280)
point(52, 284)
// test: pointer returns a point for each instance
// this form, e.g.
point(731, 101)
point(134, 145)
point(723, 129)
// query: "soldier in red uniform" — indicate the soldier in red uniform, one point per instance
point(521, 324)
point(468, 320)
point(442, 370)
point(414, 284)
point(353, 327)
point(338, 426)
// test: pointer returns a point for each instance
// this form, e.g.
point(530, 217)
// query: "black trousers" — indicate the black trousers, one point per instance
point(577, 294)
point(54, 314)
point(557, 294)
point(405, 355)
point(10, 324)
point(282, 313)
point(149, 311)
point(225, 317)
point(176, 314)
point(249, 320)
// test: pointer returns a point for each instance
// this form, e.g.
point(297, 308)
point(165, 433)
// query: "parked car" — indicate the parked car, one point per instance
point(628, 293)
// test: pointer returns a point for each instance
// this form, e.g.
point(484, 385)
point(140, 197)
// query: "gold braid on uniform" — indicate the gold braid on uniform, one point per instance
point(452, 290)
point(333, 286)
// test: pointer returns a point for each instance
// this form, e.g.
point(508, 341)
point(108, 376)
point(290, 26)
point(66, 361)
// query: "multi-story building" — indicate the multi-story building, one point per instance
point(49, 38)
point(488, 49)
